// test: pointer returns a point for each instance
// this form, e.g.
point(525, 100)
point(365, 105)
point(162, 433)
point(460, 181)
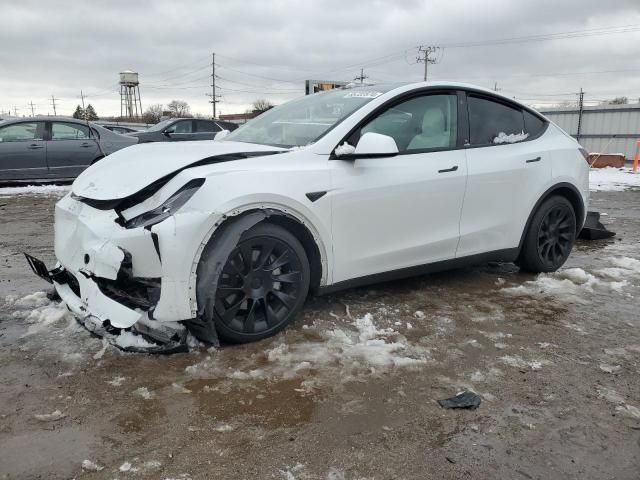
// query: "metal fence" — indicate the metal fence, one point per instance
point(603, 128)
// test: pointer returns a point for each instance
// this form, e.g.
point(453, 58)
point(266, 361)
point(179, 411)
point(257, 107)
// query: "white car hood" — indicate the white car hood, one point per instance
point(128, 171)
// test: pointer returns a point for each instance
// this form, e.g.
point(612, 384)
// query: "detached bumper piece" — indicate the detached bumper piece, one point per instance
point(593, 229)
point(135, 296)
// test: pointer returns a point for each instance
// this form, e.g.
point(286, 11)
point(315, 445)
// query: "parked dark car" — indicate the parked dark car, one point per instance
point(180, 129)
point(120, 129)
point(52, 148)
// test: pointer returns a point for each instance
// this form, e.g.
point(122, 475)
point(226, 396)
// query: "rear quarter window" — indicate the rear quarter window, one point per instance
point(533, 125)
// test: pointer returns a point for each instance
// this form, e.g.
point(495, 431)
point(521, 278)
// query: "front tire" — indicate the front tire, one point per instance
point(550, 236)
point(262, 286)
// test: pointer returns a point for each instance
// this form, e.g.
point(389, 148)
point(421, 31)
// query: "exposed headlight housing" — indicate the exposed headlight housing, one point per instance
point(168, 208)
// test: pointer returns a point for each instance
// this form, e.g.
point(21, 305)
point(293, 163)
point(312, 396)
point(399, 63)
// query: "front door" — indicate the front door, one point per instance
point(402, 211)
point(180, 131)
point(70, 149)
point(22, 151)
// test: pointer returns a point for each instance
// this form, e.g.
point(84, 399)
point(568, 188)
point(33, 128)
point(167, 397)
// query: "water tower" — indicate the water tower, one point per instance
point(130, 95)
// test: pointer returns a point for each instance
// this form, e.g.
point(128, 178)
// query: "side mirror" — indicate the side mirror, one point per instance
point(167, 133)
point(220, 135)
point(375, 145)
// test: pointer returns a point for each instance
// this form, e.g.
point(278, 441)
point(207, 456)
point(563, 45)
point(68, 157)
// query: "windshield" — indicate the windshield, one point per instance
point(304, 120)
point(160, 126)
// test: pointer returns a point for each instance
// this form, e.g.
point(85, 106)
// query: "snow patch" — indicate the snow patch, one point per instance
point(127, 339)
point(512, 138)
point(144, 393)
point(50, 417)
point(339, 353)
point(612, 179)
point(344, 149)
point(90, 466)
point(47, 190)
point(519, 362)
point(117, 381)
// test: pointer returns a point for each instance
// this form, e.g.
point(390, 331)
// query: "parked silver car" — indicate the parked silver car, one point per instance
point(52, 148)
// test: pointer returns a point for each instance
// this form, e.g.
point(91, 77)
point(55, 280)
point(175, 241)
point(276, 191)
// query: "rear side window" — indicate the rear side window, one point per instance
point(492, 123)
point(202, 126)
point(69, 131)
point(533, 125)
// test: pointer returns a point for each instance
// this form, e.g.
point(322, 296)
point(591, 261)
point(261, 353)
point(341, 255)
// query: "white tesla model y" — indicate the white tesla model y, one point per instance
point(226, 238)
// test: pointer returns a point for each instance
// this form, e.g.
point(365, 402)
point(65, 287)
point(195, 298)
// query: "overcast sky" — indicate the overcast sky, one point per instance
point(266, 49)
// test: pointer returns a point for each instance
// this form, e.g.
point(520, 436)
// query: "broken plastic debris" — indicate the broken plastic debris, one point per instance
point(466, 399)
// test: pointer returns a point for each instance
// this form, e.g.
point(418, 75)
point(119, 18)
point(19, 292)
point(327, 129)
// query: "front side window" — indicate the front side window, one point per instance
point(492, 123)
point(69, 131)
point(305, 120)
point(428, 122)
point(183, 126)
point(20, 132)
point(204, 126)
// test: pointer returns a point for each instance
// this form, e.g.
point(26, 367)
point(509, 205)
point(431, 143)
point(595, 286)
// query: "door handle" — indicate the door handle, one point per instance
point(452, 169)
point(85, 145)
point(35, 146)
point(531, 160)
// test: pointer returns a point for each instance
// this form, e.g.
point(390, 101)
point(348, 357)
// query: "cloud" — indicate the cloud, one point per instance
point(268, 48)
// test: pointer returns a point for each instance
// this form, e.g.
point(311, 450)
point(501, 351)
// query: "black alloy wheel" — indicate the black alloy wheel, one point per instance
point(550, 236)
point(556, 235)
point(262, 285)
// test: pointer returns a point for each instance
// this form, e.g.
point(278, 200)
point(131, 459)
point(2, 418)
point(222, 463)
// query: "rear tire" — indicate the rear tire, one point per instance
point(550, 236)
point(262, 286)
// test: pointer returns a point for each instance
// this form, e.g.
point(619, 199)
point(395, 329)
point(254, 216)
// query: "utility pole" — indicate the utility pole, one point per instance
point(212, 95)
point(31, 105)
point(53, 104)
point(15, 111)
point(495, 87)
point(362, 76)
point(580, 110)
point(82, 97)
point(428, 58)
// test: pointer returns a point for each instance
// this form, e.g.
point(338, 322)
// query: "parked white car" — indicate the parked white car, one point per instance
point(328, 191)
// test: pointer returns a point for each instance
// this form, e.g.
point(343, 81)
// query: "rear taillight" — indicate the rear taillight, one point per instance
point(585, 154)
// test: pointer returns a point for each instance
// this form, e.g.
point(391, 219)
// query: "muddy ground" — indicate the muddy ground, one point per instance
point(347, 392)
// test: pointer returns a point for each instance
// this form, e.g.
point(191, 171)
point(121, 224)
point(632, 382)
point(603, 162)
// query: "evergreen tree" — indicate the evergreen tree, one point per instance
point(90, 113)
point(79, 113)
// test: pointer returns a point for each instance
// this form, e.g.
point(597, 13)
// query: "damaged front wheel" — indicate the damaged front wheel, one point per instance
point(262, 285)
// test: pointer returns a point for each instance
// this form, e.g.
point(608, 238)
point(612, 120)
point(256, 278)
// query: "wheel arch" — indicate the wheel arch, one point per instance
point(296, 223)
point(571, 193)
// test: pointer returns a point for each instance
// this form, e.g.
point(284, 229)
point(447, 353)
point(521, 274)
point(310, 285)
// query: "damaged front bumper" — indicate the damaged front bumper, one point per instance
point(115, 279)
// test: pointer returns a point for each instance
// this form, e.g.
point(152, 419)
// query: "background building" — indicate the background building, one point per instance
point(602, 128)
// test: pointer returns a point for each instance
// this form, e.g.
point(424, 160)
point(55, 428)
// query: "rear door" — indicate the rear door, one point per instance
point(507, 166)
point(206, 130)
point(23, 151)
point(71, 147)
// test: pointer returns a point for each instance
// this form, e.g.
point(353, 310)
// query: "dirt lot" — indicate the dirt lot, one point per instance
point(350, 390)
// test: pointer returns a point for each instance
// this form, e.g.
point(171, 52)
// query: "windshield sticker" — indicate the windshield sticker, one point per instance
point(363, 94)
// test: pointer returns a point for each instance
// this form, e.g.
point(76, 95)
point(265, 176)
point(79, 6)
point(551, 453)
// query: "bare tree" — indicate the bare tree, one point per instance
point(618, 101)
point(152, 114)
point(179, 108)
point(261, 105)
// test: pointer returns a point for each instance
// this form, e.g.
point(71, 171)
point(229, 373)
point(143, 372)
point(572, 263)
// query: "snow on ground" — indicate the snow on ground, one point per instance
point(344, 353)
point(50, 190)
point(612, 179)
point(575, 284)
